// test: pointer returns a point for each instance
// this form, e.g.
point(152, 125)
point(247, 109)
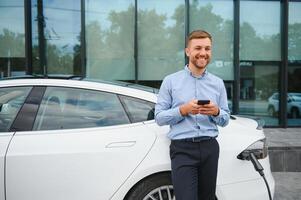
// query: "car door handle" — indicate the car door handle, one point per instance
point(121, 144)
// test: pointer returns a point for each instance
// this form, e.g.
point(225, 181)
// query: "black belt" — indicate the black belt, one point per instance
point(196, 139)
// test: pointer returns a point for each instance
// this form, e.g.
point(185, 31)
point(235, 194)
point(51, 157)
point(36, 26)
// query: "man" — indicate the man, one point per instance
point(194, 150)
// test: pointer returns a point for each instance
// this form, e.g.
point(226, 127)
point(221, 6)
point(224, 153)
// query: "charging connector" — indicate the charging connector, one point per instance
point(258, 167)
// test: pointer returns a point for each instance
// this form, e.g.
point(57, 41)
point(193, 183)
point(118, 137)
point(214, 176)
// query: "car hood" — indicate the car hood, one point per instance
point(243, 125)
point(246, 122)
point(243, 131)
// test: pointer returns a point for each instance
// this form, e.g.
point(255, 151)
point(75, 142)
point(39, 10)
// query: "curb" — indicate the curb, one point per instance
point(285, 159)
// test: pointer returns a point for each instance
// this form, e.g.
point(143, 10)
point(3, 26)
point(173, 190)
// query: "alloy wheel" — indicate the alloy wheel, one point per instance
point(161, 193)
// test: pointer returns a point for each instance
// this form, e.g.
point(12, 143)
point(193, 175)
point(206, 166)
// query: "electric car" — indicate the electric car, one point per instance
point(79, 139)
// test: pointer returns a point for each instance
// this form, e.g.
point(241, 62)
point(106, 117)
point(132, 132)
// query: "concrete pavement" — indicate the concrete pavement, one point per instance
point(283, 137)
point(284, 149)
point(288, 185)
point(285, 157)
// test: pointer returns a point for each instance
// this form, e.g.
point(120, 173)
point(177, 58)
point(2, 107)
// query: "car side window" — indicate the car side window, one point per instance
point(69, 108)
point(138, 110)
point(11, 100)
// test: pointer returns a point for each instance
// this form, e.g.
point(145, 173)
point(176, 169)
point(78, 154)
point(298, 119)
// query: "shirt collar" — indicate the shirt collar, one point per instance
point(186, 68)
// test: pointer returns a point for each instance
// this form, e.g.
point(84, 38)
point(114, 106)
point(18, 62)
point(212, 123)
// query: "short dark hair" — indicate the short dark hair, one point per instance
point(198, 34)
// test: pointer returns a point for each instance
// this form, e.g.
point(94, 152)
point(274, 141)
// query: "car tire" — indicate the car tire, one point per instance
point(152, 187)
point(148, 189)
point(295, 112)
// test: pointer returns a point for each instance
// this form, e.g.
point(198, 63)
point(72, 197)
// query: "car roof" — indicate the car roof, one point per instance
point(77, 77)
point(128, 89)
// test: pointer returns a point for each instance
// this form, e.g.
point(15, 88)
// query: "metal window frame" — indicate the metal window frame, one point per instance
point(236, 84)
point(186, 26)
point(284, 66)
point(136, 63)
point(28, 37)
point(83, 55)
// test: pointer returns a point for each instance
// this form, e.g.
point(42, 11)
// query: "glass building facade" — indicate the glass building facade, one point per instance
point(256, 45)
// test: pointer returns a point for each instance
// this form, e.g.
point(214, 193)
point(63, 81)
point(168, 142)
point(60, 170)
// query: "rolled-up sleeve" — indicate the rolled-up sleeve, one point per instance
point(224, 113)
point(164, 113)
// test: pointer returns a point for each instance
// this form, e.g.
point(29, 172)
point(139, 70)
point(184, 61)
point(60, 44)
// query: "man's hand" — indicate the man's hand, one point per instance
point(209, 109)
point(193, 108)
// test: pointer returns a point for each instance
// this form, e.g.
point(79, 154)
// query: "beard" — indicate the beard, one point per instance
point(200, 63)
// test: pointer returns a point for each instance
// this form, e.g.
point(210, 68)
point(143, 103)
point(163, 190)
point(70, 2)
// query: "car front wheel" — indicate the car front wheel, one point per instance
point(155, 187)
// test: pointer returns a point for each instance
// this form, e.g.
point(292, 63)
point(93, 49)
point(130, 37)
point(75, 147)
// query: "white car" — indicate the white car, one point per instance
point(293, 105)
point(77, 139)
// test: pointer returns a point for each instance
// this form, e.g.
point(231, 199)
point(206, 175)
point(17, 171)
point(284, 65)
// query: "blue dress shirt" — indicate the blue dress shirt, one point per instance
point(181, 87)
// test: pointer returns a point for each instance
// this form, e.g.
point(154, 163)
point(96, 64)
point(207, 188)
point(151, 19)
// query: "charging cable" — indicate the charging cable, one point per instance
point(258, 167)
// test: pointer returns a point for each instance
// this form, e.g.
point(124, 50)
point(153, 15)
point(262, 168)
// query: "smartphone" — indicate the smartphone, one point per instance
point(203, 102)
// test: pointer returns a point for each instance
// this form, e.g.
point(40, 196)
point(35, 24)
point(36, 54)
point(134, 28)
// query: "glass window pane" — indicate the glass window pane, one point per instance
point(294, 32)
point(68, 108)
point(294, 68)
point(110, 39)
point(259, 85)
point(161, 38)
point(60, 22)
point(260, 30)
point(12, 38)
point(216, 17)
point(139, 110)
point(11, 100)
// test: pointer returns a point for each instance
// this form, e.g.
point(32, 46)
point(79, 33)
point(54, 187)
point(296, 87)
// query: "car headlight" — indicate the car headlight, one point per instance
point(258, 148)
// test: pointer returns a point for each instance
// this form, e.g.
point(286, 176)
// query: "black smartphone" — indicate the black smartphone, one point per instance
point(203, 102)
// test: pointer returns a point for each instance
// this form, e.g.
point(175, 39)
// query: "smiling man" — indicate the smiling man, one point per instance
point(193, 102)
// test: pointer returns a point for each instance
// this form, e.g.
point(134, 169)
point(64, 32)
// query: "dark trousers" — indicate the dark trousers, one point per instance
point(194, 169)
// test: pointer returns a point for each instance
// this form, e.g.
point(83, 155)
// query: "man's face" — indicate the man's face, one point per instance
point(199, 52)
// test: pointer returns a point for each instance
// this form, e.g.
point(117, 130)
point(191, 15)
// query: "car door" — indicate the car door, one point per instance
point(83, 146)
point(11, 100)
